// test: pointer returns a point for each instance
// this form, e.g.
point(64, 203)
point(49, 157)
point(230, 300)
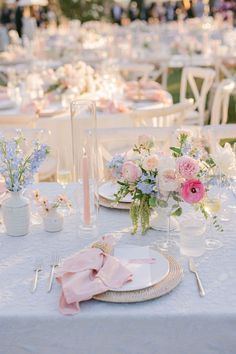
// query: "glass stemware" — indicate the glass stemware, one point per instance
point(64, 173)
point(213, 206)
point(168, 243)
point(64, 177)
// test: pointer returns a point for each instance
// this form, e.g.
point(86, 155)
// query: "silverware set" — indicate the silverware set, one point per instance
point(193, 269)
point(38, 267)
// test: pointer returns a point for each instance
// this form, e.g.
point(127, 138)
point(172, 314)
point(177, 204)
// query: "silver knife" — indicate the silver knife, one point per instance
point(37, 269)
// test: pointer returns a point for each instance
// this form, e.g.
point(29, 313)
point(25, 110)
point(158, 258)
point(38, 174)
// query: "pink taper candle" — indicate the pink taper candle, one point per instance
point(87, 214)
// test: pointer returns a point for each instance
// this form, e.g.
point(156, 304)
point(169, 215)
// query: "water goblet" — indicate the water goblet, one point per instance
point(64, 177)
point(167, 244)
point(212, 207)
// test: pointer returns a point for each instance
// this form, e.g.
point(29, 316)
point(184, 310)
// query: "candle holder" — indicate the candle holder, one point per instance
point(85, 171)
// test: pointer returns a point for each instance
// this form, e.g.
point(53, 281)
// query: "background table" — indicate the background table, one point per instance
point(178, 323)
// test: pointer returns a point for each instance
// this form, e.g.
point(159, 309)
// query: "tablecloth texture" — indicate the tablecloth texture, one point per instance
point(178, 323)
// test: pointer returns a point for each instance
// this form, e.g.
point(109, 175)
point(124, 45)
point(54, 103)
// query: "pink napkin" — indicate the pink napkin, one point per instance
point(2, 187)
point(152, 95)
point(142, 84)
point(111, 106)
point(86, 274)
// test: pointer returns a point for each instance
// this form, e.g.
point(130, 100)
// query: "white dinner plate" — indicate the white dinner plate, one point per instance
point(6, 104)
point(108, 189)
point(144, 275)
point(51, 110)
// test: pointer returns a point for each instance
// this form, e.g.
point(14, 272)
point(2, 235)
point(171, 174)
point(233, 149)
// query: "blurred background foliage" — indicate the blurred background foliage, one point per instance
point(85, 10)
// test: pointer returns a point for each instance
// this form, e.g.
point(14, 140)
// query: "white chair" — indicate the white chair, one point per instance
point(119, 140)
point(135, 71)
point(173, 115)
point(214, 134)
point(223, 67)
point(220, 105)
point(190, 75)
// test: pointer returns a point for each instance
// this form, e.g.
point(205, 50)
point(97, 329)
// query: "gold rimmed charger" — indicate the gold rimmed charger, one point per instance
point(170, 282)
point(107, 203)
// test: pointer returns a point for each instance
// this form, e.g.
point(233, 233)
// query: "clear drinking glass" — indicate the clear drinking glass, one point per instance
point(192, 235)
point(85, 168)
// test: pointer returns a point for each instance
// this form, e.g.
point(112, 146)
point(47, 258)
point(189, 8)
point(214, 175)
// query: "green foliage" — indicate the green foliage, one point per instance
point(84, 10)
point(140, 210)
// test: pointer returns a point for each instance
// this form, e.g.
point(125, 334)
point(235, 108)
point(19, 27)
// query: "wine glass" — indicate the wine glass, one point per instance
point(212, 207)
point(64, 177)
point(168, 243)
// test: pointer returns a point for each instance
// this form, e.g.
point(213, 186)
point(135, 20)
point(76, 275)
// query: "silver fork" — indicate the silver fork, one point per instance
point(193, 269)
point(54, 264)
point(37, 268)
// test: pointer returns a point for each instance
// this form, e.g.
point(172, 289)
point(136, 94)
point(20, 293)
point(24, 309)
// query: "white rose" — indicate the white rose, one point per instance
point(224, 158)
point(168, 179)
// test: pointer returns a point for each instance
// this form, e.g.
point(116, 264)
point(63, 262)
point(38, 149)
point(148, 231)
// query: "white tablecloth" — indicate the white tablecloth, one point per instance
point(178, 323)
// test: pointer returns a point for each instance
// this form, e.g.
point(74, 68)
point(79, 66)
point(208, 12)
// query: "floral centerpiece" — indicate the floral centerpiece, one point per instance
point(46, 206)
point(78, 77)
point(52, 219)
point(157, 179)
point(18, 168)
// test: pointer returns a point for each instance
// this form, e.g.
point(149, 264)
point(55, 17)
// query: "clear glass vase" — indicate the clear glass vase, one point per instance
point(85, 167)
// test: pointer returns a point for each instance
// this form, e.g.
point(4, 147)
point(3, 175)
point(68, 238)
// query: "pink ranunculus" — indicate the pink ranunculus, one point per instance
point(130, 171)
point(192, 191)
point(187, 167)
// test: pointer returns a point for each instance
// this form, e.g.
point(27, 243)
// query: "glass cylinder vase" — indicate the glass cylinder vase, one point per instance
point(85, 171)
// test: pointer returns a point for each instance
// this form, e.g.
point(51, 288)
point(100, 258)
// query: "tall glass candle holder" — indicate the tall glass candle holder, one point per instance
point(85, 176)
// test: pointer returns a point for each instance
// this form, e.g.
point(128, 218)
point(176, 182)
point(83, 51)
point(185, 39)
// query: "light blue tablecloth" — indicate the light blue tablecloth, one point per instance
point(178, 323)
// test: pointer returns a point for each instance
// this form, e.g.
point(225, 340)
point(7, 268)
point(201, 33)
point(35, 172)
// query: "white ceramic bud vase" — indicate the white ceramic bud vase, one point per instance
point(16, 214)
point(53, 221)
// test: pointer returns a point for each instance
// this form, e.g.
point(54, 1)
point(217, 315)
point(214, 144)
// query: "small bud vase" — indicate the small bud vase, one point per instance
point(53, 221)
point(16, 214)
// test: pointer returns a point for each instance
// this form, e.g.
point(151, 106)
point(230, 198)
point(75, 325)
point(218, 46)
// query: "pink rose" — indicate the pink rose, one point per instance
point(150, 163)
point(130, 171)
point(192, 191)
point(187, 167)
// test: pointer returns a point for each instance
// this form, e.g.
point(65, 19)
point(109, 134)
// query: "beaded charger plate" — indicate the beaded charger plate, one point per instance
point(163, 287)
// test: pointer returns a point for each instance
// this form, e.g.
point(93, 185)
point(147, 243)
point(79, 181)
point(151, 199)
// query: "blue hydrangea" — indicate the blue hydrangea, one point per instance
point(116, 165)
point(186, 149)
point(145, 188)
point(17, 168)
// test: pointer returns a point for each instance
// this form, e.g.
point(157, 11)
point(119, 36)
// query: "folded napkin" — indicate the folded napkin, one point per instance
point(88, 273)
point(110, 106)
point(151, 94)
point(142, 84)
